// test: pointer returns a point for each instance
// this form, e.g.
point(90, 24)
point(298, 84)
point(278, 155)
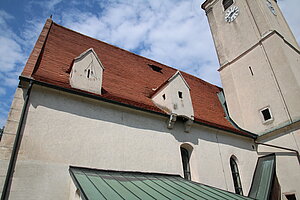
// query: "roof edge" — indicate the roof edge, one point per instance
point(99, 97)
point(34, 57)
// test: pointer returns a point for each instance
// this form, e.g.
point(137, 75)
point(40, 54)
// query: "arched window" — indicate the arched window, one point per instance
point(236, 176)
point(185, 163)
point(227, 3)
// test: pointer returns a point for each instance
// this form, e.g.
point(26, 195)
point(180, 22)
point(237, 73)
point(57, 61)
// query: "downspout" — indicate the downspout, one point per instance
point(15, 150)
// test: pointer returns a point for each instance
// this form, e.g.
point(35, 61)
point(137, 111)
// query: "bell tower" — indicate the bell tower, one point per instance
point(259, 62)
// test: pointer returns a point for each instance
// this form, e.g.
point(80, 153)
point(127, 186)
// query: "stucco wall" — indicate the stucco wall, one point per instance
point(63, 130)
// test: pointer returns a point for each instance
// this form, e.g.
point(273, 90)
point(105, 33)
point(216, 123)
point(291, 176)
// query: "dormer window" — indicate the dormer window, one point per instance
point(174, 89)
point(180, 94)
point(155, 68)
point(86, 72)
point(227, 3)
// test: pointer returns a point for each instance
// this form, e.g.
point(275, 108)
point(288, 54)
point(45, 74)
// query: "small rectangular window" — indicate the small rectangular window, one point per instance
point(164, 96)
point(180, 94)
point(251, 71)
point(266, 114)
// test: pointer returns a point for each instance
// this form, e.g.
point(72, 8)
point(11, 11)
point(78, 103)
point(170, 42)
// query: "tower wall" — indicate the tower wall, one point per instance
point(259, 63)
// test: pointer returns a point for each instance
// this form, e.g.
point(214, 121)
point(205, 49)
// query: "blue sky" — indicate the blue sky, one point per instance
point(173, 32)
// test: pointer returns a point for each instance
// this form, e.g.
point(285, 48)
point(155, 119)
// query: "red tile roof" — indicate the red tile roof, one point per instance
point(127, 77)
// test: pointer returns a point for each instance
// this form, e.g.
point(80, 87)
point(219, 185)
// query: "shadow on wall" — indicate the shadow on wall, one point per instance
point(102, 111)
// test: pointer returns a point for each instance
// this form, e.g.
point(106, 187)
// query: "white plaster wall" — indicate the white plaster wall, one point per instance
point(285, 62)
point(275, 65)
point(247, 94)
point(63, 130)
point(232, 39)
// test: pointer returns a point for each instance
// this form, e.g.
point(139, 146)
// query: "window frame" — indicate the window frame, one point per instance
point(264, 121)
point(236, 176)
point(185, 160)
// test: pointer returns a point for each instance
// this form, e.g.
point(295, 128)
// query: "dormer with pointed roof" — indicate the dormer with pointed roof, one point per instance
point(87, 71)
point(174, 97)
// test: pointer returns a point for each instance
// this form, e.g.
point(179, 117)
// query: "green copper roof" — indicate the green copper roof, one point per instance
point(263, 178)
point(102, 184)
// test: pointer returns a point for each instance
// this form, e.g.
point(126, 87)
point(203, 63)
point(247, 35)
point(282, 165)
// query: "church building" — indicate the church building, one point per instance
point(90, 120)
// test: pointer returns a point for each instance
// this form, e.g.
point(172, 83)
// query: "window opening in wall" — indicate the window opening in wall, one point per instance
point(266, 114)
point(164, 96)
point(236, 177)
point(290, 196)
point(185, 163)
point(155, 68)
point(227, 3)
point(88, 73)
point(180, 94)
point(251, 70)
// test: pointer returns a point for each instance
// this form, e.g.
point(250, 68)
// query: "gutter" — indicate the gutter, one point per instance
point(222, 100)
point(84, 94)
point(279, 147)
point(16, 147)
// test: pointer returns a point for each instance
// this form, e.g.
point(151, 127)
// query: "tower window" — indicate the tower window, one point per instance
point(251, 71)
point(266, 114)
point(236, 177)
point(227, 3)
point(180, 94)
point(185, 163)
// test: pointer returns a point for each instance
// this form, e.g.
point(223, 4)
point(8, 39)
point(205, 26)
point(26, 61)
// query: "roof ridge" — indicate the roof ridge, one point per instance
point(114, 46)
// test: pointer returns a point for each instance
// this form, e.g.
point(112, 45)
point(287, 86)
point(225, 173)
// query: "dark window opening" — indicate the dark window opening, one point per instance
point(88, 74)
point(155, 68)
point(227, 3)
point(180, 94)
point(236, 177)
point(266, 114)
point(290, 196)
point(251, 70)
point(164, 96)
point(185, 163)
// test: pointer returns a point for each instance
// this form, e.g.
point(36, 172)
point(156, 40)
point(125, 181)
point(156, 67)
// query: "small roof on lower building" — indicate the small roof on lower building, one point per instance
point(103, 184)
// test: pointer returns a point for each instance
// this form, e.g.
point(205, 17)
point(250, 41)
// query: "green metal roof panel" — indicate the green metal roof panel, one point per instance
point(103, 184)
point(263, 178)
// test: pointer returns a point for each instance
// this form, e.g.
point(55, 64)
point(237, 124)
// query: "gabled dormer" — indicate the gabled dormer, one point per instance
point(174, 97)
point(87, 72)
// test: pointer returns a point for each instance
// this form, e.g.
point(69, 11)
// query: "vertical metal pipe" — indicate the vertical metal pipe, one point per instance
point(15, 150)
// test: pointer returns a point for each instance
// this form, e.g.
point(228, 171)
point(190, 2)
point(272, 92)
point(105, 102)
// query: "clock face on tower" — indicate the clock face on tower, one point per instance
point(231, 14)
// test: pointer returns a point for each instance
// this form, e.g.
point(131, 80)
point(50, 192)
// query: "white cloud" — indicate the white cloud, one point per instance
point(2, 91)
point(10, 54)
point(291, 12)
point(154, 29)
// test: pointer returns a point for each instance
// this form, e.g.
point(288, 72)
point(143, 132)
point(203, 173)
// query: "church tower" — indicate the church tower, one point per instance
point(259, 63)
